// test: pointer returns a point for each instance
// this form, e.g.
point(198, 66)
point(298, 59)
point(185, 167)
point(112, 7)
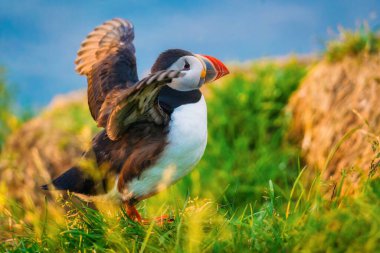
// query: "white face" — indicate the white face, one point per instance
point(194, 71)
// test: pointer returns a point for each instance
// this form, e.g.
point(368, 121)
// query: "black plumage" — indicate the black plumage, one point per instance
point(75, 180)
point(167, 58)
point(169, 98)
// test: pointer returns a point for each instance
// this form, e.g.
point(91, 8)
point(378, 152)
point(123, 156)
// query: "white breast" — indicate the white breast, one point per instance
point(187, 142)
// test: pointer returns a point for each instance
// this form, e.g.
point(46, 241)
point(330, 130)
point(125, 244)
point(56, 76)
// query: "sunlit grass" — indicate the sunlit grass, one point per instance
point(200, 225)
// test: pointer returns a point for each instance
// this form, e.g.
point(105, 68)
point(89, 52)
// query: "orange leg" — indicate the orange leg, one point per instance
point(132, 213)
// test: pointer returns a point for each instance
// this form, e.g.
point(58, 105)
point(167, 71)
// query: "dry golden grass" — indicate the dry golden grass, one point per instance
point(333, 99)
point(46, 146)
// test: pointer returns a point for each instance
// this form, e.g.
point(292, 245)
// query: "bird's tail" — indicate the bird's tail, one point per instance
point(45, 187)
point(73, 180)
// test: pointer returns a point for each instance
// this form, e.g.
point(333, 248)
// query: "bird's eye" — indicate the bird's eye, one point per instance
point(187, 66)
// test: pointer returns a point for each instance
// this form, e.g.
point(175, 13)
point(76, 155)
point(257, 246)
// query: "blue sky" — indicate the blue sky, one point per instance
point(39, 39)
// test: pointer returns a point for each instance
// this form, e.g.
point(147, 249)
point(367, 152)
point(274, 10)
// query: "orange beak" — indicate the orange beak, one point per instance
point(214, 69)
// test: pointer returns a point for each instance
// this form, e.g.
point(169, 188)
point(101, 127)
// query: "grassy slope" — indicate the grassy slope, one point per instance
point(244, 195)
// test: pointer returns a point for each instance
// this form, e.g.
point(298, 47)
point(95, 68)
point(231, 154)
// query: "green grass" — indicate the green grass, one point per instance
point(353, 43)
point(317, 225)
point(248, 194)
point(247, 125)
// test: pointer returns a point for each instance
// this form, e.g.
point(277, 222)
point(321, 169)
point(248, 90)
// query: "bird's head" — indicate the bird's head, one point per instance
point(197, 69)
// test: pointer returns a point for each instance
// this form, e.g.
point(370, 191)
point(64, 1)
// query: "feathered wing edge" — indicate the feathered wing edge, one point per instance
point(102, 41)
point(122, 108)
point(107, 58)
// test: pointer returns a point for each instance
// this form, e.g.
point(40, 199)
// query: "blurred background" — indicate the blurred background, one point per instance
point(39, 39)
point(293, 155)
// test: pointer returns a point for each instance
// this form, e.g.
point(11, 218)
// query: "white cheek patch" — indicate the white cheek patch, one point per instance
point(192, 78)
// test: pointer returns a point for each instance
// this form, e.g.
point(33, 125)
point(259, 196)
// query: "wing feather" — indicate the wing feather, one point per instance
point(107, 58)
point(115, 96)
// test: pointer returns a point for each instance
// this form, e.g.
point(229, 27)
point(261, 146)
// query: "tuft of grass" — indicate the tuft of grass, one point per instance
point(353, 43)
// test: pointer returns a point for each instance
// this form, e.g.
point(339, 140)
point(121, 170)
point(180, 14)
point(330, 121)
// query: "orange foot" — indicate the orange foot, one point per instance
point(135, 216)
point(161, 220)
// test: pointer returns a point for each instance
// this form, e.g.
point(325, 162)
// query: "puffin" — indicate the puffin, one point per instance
point(154, 130)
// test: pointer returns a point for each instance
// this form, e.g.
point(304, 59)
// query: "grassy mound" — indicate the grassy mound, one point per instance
point(246, 195)
point(46, 146)
point(336, 98)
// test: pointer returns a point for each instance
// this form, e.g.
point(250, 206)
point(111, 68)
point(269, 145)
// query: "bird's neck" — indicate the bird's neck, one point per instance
point(169, 98)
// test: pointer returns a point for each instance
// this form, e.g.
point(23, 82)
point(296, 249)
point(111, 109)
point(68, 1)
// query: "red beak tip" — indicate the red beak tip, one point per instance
point(220, 68)
point(226, 71)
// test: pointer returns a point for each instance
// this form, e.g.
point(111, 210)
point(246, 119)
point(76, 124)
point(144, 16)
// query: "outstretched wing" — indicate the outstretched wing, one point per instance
point(139, 103)
point(107, 58)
